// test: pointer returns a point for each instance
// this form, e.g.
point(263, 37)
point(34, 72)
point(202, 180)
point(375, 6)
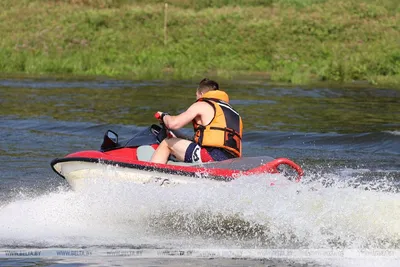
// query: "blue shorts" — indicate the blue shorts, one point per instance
point(196, 154)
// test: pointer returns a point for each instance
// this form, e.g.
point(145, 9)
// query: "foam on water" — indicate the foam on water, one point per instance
point(242, 213)
point(393, 132)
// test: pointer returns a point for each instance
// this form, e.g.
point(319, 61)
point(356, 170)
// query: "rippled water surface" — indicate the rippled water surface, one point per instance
point(346, 139)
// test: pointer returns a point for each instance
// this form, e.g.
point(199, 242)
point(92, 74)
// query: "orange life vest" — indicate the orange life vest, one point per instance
point(226, 128)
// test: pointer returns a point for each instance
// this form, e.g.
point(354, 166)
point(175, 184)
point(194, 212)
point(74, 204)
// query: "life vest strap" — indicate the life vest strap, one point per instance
point(227, 130)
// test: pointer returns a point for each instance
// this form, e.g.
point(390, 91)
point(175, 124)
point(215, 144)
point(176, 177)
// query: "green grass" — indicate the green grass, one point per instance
point(297, 41)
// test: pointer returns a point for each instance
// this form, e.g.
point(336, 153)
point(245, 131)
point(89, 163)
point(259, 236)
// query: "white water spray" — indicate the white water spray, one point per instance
point(243, 213)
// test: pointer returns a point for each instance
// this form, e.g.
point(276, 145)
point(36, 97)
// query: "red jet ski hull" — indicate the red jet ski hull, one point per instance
point(127, 162)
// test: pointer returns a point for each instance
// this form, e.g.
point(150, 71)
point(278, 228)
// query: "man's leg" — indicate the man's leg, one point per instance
point(174, 146)
point(178, 147)
point(162, 153)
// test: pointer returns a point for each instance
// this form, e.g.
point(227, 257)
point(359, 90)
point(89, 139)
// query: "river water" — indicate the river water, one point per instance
point(347, 139)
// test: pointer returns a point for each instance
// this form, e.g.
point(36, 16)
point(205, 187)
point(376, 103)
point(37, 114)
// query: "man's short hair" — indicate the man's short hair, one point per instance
point(206, 85)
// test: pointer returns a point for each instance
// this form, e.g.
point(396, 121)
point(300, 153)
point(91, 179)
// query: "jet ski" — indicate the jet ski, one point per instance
point(130, 160)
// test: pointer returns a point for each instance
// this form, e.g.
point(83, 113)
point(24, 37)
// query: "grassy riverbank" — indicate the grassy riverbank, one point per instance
point(296, 41)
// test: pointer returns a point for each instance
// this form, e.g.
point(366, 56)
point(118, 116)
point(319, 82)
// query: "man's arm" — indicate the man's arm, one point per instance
point(179, 121)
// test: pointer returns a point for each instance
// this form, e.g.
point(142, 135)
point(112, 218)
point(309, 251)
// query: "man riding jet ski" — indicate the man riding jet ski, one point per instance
point(218, 129)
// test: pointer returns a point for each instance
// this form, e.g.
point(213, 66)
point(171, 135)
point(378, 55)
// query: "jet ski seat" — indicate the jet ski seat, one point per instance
point(145, 152)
